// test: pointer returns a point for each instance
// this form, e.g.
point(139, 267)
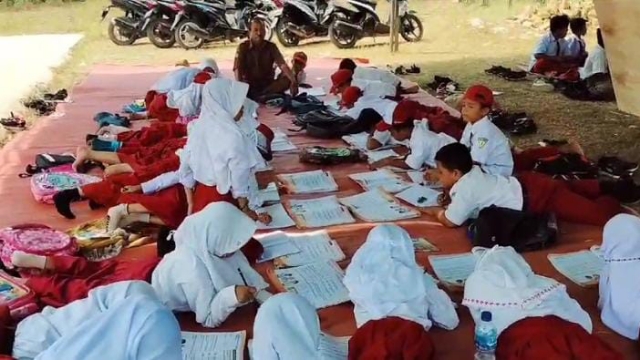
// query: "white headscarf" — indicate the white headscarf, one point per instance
point(187, 100)
point(504, 284)
point(217, 151)
point(175, 80)
point(286, 327)
point(211, 64)
point(249, 121)
point(206, 261)
point(384, 280)
point(619, 284)
point(124, 320)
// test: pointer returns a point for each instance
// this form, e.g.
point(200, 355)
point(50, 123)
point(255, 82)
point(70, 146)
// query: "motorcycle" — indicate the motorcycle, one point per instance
point(303, 19)
point(159, 29)
point(355, 19)
point(201, 22)
point(125, 30)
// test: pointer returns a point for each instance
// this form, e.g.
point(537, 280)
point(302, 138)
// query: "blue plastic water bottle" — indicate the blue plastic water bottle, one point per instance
point(486, 338)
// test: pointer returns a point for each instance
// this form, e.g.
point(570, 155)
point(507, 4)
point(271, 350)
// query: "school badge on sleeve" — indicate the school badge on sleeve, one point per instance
point(482, 142)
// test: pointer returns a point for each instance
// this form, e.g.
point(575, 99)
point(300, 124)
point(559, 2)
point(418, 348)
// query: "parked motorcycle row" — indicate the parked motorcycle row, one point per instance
point(193, 23)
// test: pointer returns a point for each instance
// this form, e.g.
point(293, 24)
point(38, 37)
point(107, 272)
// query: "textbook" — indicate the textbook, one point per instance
point(331, 347)
point(308, 182)
point(213, 345)
point(319, 212)
point(269, 195)
point(378, 206)
point(382, 178)
point(453, 270)
point(279, 217)
point(582, 267)
point(419, 196)
point(319, 282)
point(313, 246)
point(275, 245)
point(281, 142)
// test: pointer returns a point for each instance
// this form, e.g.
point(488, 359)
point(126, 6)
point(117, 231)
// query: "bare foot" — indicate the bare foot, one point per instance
point(82, 154)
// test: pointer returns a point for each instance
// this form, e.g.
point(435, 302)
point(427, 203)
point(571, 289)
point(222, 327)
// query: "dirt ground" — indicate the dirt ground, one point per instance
point(460, 41)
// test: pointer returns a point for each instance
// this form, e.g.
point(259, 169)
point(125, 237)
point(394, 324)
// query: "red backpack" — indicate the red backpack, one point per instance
point(34, 239)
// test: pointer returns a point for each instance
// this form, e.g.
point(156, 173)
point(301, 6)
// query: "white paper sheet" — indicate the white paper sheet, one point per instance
point(319, 282)
point(270, 194)
point(417, 176)
point(376, 206)
point(213, 346)
point(382, 178)
point(275, 245)
point(582, 267)
point(324, 211)
point(316, 246)
point(279, 217)
point(281, 142)
point(453, 269)
point(309, 182)
point(358, 141)
point(380, 154)
point(334, 348)
point(420, 196)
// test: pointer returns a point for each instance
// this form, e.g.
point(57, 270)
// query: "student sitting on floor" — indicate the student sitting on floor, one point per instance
point(576, 46)
point(394, 299)
point(423, 145)
point(619, 288)
point(596, 62)
point(471, 190)
point(534, 316)
point(550, 54)
point(123, 321)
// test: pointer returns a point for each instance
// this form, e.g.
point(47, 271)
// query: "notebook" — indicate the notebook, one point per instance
point(269, 195)
point(319, 282)
point(314, 246)
point(378, 206)
point(281, 142)
point(582, 267)
point(419, 196)
point(275, 245)
point(383, 178)
point(213, 345)
point(453, 270)
point(319, 212)
point(280, 219)
point(308, 182)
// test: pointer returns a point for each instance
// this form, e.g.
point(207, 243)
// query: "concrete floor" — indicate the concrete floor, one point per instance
point(28, 60)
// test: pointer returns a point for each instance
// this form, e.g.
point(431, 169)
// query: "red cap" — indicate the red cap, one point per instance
point(405, 111)
point(340, 78)
point(202, 77)
point(350, 95)
point(300, 57)
point(480, 94)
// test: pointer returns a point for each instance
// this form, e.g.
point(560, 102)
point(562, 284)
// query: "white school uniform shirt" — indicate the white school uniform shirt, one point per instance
point(477, 190)
point(489, 147)
point(504, 284)
point(424, 144)
point(575, 46)
point(124, 321)
point(596, 63)
point(375, 88)
point(201, 274)
point(373, 74)
point(619, 285)
point(384, 280)
point(287, 327)
point(548, 45)
point(167, 180)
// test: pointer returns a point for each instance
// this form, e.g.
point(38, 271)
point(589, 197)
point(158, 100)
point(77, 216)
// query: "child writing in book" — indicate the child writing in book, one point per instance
point(525, 306)
point(394, 299)
point(470, 190)
point(125, 320)
point(619, 292)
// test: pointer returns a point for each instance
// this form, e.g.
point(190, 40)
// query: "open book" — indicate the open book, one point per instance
point(320, 283)
point(324, 211)
point(384, 179)
point(308, 182)
point(279, 217)
point(213, 345)
point(582, 267)
point(378, 206)
point(300, 248)
point(331, 347)
point(453, 270)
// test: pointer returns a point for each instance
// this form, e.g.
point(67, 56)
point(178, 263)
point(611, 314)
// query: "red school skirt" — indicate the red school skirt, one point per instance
point(204, 195)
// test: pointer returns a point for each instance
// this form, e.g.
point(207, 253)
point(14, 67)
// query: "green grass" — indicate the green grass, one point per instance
point(451, 46)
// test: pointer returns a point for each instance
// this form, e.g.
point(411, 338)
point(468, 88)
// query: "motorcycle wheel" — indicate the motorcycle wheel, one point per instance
point(411, 28)
point(160, 34)
point(342, 39)
point(121, 36)
point(184, 38)
point(286, 38)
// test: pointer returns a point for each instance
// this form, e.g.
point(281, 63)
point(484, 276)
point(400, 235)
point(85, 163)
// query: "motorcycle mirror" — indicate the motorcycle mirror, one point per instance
point(104, 14)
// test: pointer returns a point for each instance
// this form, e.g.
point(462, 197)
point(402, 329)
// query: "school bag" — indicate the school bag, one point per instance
point(34, 239)
point(519, 229)
point(47, 162)
point(45, 185)
point(21, 301)
point(567, 167)
point(106, 118)
point(297, 105)
point(326, 124)
point(330, 156)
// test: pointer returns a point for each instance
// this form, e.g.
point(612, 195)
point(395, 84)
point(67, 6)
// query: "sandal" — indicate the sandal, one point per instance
point(413, 69)
point(13, 121)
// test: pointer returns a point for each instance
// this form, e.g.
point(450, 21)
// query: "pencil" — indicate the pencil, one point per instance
point(242, 276)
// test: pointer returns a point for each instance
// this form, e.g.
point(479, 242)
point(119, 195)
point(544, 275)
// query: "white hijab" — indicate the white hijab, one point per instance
point(182, 77)
point(217, 151)
point(249, 121)
point(619, 284)
point(186, 100)
point(286, 327)
point(384, 280)
point(211, 64)
point(136, 324)
point(504, 284)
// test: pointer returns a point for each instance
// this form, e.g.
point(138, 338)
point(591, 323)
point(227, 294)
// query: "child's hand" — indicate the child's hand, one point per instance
point(245, 294)
point(402, 150)
point(431, 176)
point(132, 189)
point(444, 199)
point(378, 164)
point(264, 218)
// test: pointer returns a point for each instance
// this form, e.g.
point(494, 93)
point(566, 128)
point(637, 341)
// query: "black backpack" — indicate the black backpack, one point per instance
point(330, 156)
point(567, 167)
point(299, 104)
point(326, 124)
point(506, 227)
point(43, 162)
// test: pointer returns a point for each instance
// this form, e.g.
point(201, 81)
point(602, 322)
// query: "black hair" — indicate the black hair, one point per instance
point(455, 156)
point(558, 22)
point(600, 38)
point(577, 24)
point(348, 64)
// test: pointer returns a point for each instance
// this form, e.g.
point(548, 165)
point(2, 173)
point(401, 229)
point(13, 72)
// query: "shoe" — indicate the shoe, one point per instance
point(514, 75)
point(523, 126)
point(413, 69)
point(496, 70)
point(400, 70)
point(63, 200)
point(543, 85)
point(439, 80)
point(623, 189)
point(61, 95)
point(13, 121)
point(615, 167)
